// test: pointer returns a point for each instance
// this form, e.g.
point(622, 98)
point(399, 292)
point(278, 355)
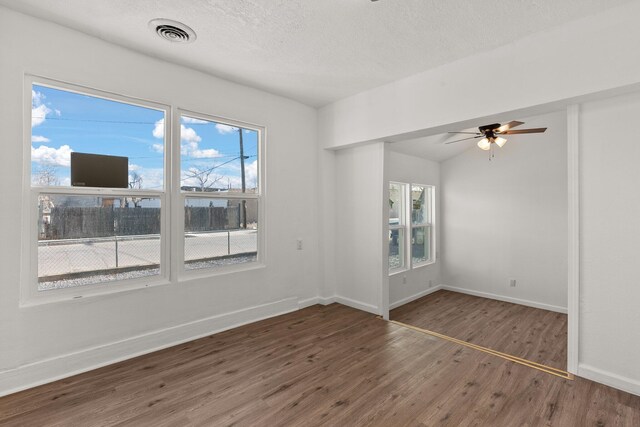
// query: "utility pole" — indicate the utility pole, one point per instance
point(244, 202)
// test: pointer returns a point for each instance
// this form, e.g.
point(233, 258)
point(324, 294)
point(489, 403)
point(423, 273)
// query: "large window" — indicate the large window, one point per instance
point(97, 235)
point(219, 183)
point(411, 226)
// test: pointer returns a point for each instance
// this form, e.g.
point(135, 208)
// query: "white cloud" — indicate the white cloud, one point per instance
point(151, 178)
point(133, 167)
point(39, 111)
point(209, 153)
point(53, 156)
point(192, 120)
point(38, 138)
point(251, 175)
point(189, 141)
point(158, 130)
point(189, 135)
point(224, 129)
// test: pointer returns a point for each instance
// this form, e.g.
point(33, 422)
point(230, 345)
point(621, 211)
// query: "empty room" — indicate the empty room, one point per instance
point(496, 286)
point(343, 213)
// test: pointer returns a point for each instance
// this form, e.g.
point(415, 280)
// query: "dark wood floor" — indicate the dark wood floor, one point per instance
point(526, 332)
point(331, 366)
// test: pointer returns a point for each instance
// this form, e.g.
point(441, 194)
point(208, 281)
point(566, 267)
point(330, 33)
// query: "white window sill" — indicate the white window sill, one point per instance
point(395, 272)
point(204, 273)
point(85, 292)
point(423, 264)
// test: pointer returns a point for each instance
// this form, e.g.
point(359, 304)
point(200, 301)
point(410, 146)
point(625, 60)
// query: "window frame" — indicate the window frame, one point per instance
point(171, 203)
point(407, 226)
point(429, 225)
point(404, 219)
point(181, 196)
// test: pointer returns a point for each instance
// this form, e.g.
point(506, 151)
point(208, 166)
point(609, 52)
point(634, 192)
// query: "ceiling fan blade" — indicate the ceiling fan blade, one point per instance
point(470, 133)
point(517, 131)
point(464, 139)
point(508, 126)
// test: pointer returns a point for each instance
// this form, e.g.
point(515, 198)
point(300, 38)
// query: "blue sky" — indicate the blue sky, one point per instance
point(64, 121)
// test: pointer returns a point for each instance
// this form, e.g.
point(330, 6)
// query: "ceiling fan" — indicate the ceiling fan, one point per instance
point(493, 134)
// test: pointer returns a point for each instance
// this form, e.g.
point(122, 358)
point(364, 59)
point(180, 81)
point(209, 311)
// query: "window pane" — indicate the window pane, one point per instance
point(63, 122)
point(217, 157)
point(396, 249)
point(84, 240)
point(396, 205)
point(220, 232)
point(420, 205)
point(420, 244)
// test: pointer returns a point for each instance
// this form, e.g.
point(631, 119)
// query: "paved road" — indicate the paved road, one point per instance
point(79, 255)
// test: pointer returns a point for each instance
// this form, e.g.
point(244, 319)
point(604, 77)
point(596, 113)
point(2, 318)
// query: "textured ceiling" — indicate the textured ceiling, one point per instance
point(315, 51)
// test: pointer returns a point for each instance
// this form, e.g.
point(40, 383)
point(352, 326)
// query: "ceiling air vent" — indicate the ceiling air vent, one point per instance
point(173, 31)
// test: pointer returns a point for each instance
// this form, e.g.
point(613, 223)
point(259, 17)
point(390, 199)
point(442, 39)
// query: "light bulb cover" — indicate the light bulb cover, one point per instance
point(484, 144)
point(500, 141)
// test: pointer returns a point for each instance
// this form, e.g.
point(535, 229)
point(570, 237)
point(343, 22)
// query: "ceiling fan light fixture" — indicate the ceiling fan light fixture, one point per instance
point(484, 144)
point(500, 141)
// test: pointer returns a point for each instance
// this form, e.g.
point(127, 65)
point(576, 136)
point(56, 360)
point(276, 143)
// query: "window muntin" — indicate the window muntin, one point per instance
point(397, 224)
point(219, 181)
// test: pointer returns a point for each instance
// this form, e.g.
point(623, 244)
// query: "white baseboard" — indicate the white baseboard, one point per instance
point(414, 297)
point(48, 370)
point(304, 303)
point(356, 304)
point(529, 303)
point(610, 379)
point(326, 300)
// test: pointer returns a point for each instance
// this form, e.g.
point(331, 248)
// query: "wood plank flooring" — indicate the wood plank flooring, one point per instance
point(329, 366)
point(527, 332)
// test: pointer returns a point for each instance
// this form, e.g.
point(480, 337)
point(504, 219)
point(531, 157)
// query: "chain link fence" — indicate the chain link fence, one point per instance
point(88, 240)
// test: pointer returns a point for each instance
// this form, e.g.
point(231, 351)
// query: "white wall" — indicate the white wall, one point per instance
point(543, 68)
point(507, 218)
point(48, 341)
point(609, 339)
point(358, 252)
point(404, 168)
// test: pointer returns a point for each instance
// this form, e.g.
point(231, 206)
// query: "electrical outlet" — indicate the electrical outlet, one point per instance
point(404, 280)
point(512, 283)
point(299, 244)
point(430, 283)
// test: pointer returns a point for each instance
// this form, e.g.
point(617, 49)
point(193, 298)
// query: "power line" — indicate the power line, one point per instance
point(211, 168)
point(205, 171)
